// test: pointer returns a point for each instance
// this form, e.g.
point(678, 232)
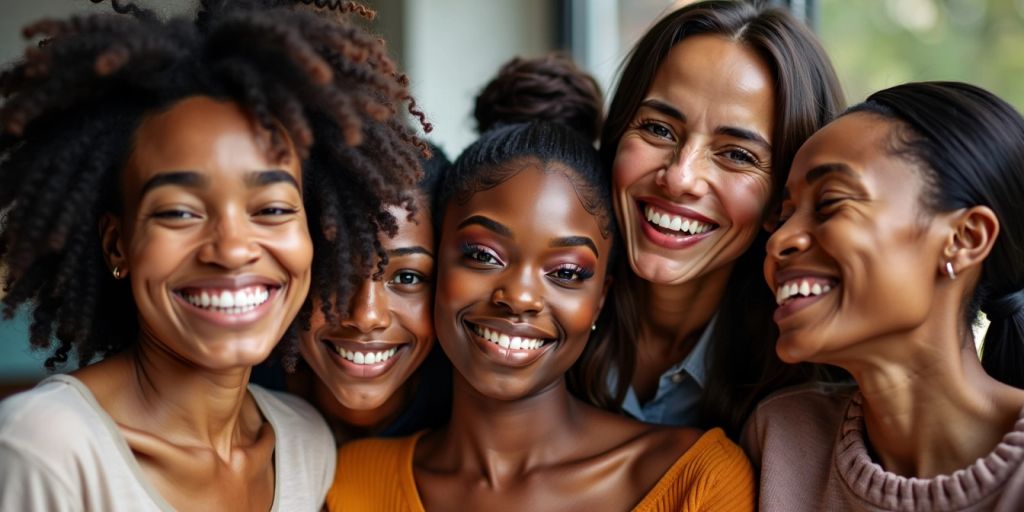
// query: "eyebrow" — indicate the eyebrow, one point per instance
point(192, 179)
point(406, 251)
point(574, 241)
point(731, 131)
point(187, 179)
point(820, 171)
point(664, 108)
point(741, 133)
point(490, 224)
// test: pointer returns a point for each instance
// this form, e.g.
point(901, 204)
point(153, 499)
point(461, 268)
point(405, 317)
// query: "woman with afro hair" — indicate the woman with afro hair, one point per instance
point(170, 192)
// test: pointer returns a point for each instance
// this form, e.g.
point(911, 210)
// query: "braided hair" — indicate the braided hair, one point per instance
point(72, 106)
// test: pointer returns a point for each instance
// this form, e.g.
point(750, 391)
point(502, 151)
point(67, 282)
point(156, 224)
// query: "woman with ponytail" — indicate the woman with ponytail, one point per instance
point(900, 219)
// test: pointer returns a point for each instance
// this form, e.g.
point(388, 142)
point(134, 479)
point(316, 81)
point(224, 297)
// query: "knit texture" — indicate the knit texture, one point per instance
point(809, 445)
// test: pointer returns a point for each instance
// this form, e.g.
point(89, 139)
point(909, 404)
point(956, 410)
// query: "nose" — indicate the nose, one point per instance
point(790, 239)
point(368, 308)
point(686, 173)
point(230, 242)
point(519, 293)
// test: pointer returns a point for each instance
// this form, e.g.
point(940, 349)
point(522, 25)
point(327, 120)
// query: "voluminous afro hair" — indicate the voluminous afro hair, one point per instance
point(73, 104)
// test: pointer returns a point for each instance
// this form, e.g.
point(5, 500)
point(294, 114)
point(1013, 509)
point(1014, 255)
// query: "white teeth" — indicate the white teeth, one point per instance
point(230, 302)
point(366, 358)
point(674, 222)
point(802, 287)
point(506, 341)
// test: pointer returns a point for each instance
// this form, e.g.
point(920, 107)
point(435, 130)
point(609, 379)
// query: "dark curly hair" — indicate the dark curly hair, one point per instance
point(549, 88)
point(73, 104)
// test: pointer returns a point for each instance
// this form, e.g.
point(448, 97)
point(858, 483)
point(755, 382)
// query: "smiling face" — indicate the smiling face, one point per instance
point(853, 258)
point(691, 172)
point(519, 283)
point(389, 328)
point(213, 236)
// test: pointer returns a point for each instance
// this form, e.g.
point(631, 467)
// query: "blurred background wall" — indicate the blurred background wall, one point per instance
point(450, 48)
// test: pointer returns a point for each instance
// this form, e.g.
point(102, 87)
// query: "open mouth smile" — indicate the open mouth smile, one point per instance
point(231, 302)
point(802, 287)
point(504, 340)
point(672, 227)
point(508, 347)
point(362, 359)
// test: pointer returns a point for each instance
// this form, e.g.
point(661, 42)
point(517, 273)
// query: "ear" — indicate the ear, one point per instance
point(112, 243)
point(968, 244)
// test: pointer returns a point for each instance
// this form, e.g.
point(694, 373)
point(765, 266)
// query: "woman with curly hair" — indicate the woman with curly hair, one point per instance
point(171, 191)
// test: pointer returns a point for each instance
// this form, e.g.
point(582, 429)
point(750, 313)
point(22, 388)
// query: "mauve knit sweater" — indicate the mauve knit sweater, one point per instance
point(808, 444)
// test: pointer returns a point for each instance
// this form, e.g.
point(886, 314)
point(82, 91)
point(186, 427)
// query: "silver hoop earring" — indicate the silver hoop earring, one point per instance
point(949, 271)
point(116, 272)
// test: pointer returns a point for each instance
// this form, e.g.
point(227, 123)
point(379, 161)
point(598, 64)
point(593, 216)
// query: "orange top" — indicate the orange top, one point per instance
point(377, 475)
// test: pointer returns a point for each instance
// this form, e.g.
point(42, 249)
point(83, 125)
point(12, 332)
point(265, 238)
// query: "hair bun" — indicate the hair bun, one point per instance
point(550, 88)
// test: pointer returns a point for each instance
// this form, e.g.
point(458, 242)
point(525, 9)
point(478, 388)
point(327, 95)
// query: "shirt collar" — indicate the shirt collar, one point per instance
point(695, 363)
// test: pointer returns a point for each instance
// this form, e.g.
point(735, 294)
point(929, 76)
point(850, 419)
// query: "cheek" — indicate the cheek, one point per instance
point(307, 337)
point(633, 160)
point(415, 314)
point(294, 250)
point(744, 199)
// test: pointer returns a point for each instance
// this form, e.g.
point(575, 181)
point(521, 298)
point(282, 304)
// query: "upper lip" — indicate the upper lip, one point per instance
point(229, 282)
point(523, 330)
point(369, 345)
point(789, 274)
point(669, 206)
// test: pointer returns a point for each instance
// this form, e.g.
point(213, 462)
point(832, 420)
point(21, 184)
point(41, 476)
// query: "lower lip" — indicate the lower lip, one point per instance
point(221, 319)
point(508, 356)
point(793, 306)
point(364, 371)
point(665, 240)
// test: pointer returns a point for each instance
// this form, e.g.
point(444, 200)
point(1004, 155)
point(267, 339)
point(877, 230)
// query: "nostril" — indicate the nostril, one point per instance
point(788, 251)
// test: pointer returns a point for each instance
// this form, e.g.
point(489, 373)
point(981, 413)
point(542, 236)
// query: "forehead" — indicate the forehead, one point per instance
point(724, 76)
point(199, 134)
point(537, 200)
point(411, 232)
point(862, 142)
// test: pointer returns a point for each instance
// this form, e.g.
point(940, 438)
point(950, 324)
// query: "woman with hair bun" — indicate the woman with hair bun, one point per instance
point(525, 237)
point(711, 105)
point(900, 219)
point(171, 191)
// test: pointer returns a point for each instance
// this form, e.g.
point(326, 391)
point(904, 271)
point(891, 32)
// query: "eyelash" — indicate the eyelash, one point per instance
point(474, 251)
point(174, 215)
point(747, 157)
point(277, 210)
point(649, 125)
point(579, 274)
point(420, 278)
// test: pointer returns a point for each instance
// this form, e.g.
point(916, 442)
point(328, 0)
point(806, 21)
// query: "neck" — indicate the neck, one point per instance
point(674, 313)
point(934, 410)
point(186, 404)
point(503, 439)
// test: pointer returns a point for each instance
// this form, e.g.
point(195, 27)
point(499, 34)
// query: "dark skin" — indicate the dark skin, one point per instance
point(204, 211)
point(890, 315)
point(391, 313)
point(534, 280)
point(698, 149)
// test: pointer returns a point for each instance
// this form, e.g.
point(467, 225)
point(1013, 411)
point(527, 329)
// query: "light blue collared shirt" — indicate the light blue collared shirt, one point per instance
point(679, 389)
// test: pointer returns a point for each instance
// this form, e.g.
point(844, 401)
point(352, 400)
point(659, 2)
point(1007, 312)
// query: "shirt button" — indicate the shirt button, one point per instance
point(678, 377)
